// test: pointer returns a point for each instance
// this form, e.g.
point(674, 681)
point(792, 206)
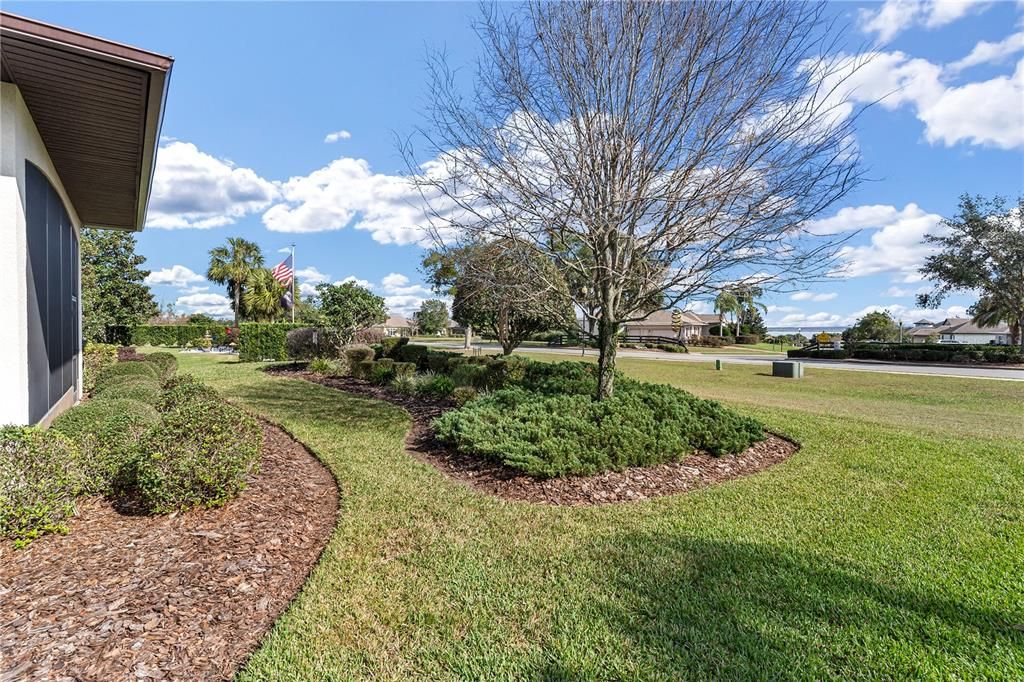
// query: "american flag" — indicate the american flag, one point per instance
point(283, 271)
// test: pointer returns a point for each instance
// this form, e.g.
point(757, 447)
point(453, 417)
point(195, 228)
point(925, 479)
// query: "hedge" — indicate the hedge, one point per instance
point(105, 431)
point(200, 454)
point(264, 341)
point(118, 372)
point(40, 476)
point(179, 335)
point(96, 357)
point(919, 352)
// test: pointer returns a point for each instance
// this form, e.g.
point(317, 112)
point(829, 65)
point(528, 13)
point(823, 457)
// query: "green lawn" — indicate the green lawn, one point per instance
point(890, 547)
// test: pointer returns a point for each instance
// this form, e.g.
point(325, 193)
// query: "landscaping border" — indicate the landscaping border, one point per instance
point(184, 596)
point(696, 471)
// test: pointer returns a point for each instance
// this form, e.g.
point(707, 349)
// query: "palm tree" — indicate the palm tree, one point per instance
point(725, 302)
point(232, 265)
point(989, 311)
point(746, 299)
point(262, 298)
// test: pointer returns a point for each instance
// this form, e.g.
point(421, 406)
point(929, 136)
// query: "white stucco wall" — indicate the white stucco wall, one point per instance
point(19, 142)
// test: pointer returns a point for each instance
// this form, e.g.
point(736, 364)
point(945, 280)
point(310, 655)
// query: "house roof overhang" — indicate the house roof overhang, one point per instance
point(98, 106)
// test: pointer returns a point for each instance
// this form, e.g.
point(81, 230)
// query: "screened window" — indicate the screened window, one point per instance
point(53, 323)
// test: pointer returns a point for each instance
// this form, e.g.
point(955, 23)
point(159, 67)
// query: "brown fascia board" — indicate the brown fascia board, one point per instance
point(157, 65)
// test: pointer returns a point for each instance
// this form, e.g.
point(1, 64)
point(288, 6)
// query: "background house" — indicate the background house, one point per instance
point(396, 325)
point(659, 323)
point(79, 127)
point(959, 330)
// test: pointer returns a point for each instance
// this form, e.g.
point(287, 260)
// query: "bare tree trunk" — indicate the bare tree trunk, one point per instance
point(1017, 335)
point(721, 325)
point(469, 337)
point(238, 302)
point(607, 333)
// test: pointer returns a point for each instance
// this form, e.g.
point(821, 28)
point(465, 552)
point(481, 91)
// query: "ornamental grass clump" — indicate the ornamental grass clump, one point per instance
point(106, 432)
point(565, 434)
point(199, 455)
point(40, 476)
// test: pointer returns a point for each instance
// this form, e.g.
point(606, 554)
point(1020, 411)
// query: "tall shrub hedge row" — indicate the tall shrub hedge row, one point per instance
point(179, 335)
point(918, 352)
point(264, 341)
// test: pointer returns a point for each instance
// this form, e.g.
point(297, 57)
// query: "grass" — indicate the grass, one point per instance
point(890, 547)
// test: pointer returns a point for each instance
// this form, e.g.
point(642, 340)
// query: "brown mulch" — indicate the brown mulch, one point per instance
point(179, 597)
point(698, 470)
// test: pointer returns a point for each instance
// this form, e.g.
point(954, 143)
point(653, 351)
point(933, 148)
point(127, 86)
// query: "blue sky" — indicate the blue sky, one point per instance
point(258, 88)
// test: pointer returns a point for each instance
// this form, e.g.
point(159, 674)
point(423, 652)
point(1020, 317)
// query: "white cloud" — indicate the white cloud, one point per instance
point(285, 249)
point(950, 113)
point(211, 304)
point(337, 135)
point(900, 292)
point(366, 284)
point(194, 189)
point(311, 274)
point(782, 309)
point(175, 276)
point(897, 247)
point(990, 53)
point(895, 16)
point(853, 218)
point(397, 284)
point(811, 296)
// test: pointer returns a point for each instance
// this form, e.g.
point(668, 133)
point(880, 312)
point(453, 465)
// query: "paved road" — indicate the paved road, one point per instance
point(766, 359)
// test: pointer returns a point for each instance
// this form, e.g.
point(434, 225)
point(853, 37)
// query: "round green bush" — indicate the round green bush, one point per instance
point(40, 476)
point(559, 435)
point(200, 454)
point(134, 368)
point(142, 389)
point(463, 394)
point(363, 369)
point(106, 431)
point(357, 353)
point(436, 386)
point(184, 388)
point(166, 363)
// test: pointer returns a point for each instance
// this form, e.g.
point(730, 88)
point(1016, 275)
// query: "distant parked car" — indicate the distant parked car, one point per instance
point(952, 341)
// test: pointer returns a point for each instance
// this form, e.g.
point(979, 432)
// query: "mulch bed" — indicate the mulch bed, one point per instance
point(179, 597)
point(698, 470)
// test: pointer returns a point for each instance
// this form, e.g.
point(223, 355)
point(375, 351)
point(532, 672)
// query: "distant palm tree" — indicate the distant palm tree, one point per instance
point(990, 311)
point(232, 265)
point(725, 302)
point(262, 298)
point(746, 298)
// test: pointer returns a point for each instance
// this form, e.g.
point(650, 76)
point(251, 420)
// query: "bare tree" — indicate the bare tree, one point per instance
point(653, 150)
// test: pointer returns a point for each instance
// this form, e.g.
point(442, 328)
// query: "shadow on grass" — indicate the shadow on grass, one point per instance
point(697, 608)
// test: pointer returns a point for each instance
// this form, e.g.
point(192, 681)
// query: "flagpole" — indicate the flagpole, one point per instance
point(295, 301)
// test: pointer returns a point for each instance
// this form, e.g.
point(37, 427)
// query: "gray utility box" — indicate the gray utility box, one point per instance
point(789, 370)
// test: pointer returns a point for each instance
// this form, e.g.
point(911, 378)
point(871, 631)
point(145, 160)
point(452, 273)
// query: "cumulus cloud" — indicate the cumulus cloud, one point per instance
point(192, 189)
point(811, 296)
point(986, 52)
point(211, 304)
point(177, 276)
point(897, 247)
point(336, 136)
point(949, 112)
point(901, 292)
point(366, 284)
point(907, 314)
point(895, 16)
point(854, 218)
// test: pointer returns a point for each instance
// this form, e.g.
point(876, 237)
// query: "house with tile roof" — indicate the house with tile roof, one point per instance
point(958, 330)
point(659, 323)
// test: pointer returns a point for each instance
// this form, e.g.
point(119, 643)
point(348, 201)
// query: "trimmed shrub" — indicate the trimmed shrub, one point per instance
point(565, 378)
point(368, 336)
point(389, 345)
point(436, 386)
point(130, 368)
point(363, 369)
point(166, 363)
point(306, 343)
point(96, 357)
point(436, 361)
point(180, 335)
point(463, 394)
point(40, 476)
point(141, 389)
point(264, 341)
point(404, 369)
point(200, 454)
point(558, 435)
point(182, 389)
point(469, 374)
point(748, 339)
point(413, 352)
point(106, 432)
point(357, 353)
